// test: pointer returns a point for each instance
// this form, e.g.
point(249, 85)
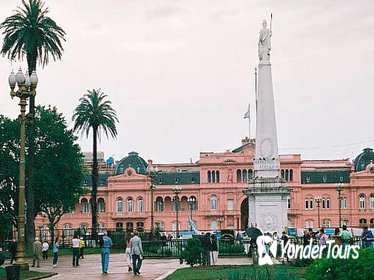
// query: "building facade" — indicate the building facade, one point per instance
point(211, 192)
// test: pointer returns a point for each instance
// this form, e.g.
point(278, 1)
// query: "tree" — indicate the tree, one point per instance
point(96, 113)
point(30, 32)
point(59, 166)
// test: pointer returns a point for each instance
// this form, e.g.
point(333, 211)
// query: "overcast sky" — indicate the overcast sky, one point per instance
point(180, 73)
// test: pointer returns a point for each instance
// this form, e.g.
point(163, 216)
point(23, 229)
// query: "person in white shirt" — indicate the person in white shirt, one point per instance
point(45, 248)
point(76, 250)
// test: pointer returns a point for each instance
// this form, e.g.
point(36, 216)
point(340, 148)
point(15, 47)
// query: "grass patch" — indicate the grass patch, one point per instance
point(24, 274)
point(238, 272)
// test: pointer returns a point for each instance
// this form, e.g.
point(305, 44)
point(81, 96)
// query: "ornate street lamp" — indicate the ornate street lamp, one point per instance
point(152, 173)
point(26, 88)
point(192, 206)
point(339, 188)
point(318, 201)
point(177, 190)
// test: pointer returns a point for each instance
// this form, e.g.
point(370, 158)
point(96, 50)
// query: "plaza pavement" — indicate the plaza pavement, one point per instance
point(90, 268)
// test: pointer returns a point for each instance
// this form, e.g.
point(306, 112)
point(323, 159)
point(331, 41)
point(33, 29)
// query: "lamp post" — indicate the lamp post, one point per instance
point(339, 188)
point(191, 204)
point(318, 201)
point(26, 88)
point(152, 173)
point(177, 191)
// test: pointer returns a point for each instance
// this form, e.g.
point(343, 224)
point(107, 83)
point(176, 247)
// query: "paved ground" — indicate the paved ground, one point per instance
point(90, 268)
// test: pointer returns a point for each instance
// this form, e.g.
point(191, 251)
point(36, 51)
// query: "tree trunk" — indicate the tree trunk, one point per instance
point(95, 176)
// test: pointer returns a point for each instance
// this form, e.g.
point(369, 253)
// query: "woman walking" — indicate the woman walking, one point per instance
point(55, 252)
point(128, 252)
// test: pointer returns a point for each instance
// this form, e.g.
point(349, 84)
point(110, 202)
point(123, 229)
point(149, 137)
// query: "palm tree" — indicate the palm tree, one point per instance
point(96, 113)
point(30, 32)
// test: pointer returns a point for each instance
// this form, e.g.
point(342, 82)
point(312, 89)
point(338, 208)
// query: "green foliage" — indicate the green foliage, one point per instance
point(343, 269)
point(118, 239)
point(230, 249)
point(192, 252)
point(32, 33)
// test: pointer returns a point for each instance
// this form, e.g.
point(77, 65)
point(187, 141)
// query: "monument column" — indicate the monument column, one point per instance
point(267, 193)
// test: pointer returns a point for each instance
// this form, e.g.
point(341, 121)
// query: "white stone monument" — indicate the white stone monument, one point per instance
point(267, 192)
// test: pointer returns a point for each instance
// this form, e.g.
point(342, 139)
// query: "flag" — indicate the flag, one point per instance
point(247, 114)
point(193, 226)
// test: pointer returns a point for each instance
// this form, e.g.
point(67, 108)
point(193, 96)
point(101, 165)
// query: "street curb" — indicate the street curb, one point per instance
point(44, 276)
point(163, 276)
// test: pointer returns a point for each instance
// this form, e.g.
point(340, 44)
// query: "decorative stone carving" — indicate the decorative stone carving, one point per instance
point(264, 43)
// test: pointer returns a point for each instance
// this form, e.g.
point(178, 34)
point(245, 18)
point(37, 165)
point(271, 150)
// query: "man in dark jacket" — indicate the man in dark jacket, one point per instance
point(206, 243)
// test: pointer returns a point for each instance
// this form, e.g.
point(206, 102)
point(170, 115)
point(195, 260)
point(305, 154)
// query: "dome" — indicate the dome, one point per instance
point(132, 160)
point(363, 159)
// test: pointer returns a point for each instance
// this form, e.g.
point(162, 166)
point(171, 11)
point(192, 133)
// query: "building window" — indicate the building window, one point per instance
point(119, 204)
point(217, 176)
point(309, 223)
point(326, 223)
point(372, 201)
point(344, 203)
point(159, 204)
point(213, 225)
point(213, 203)
point(230, 204)
point(372, 222)
point(119, 226)
point(309, 203)
point(238, 176)
point(250, 174)
point(67, 231)
point(85, 206)
point(140, 204)
point(291, 175)
point(245, 176)
point(130, 205)
point(325, 203)
point(140, 226)
point(287, 175)
point(101, 205)
point(363, 222)
point(362, 201)
point(129, 226)
point(289, 203)
point(209, 176)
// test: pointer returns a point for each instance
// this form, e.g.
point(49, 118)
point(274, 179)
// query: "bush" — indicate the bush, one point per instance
point(343, 269)
point(192, 252)
point(228, 249)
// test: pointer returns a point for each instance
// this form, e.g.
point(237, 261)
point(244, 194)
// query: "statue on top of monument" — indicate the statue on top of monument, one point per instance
point(264, 42)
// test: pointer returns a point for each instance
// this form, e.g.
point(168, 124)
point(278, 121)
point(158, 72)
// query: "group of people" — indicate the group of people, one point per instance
point(41, 251)
point(210, 249)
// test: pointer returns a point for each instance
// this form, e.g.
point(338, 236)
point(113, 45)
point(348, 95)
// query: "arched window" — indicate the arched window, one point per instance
point(344, 203)
point(140, 204)
point(130, 204)
point(67, 231)
point(363, 222)
point(309, 202)
point(250, 174)
point(361, 201)
point(287, 175)
point(282, 173)
point(326, 223)
point(159, 204)
point(325, 203)
point(129, 226)
point(372, 201)
point(217, 176)
point(238, 176)
point(101, 205)
point(119, 226)
point(213, 176)
point(289, 203)
point(291, 175)
point(119, 204)
point(85, 205)
point(245, 176)
point(140, 226)
point(213, 202)
point(372, 222)
point(209, 176)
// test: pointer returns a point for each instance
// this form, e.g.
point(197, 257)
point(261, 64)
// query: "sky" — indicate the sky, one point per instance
point(180, 74)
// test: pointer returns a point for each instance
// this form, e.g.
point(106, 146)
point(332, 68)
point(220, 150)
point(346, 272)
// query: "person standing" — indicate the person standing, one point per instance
point(346, 236)
point(105, 253)
point(336, 237)
point(136, 252)
point(75, 245)
point(128, 256)
point(81, 248)
point(206, 243)
point(12, 250)
point(55, 252)
point(45, 248)
point(214, 250)
point(367, 237)
point(37, 252)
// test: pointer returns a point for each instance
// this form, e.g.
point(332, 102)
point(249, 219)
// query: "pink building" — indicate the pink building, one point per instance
point(215, 184)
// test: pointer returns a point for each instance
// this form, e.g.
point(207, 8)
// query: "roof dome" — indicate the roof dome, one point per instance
point(363, 159)
point(132, 160)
